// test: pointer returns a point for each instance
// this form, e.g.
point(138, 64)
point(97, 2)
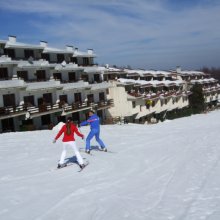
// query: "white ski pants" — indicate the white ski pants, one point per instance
point(75, 149)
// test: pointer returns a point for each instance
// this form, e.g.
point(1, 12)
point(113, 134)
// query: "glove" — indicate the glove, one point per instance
point(54, 141)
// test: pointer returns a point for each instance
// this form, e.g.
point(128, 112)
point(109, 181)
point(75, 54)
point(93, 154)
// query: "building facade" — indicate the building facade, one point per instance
point(41, 86)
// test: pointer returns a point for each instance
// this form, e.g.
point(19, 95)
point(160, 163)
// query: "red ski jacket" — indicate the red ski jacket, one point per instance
point(69, 137)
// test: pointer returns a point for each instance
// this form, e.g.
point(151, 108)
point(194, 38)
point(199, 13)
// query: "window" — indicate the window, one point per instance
point(90, 98)
point(45, 120)
point(10, 53)
point(48, 97)
point(9, 100)
point(78, 97)
point(63, 98)
point(57, 76)
point(28, 53)
point(45, 56)
point(72, 76)
point(23, 75)
point(133, 104)
point(74, 60)
point(97, 78)
point(60, 58)
point(85, 61)
point(85, 77)
point(29, 100)
point(3, 73)
point(41, 75)
point(101, 96)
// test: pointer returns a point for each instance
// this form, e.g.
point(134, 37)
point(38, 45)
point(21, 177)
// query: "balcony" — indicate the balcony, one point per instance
point(105, 104)
point(12, 111)
point(44, 109)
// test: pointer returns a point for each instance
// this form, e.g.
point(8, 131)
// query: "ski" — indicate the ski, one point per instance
point(86, 164)
point(80, 150)
point(108, 151)
point(67, 165)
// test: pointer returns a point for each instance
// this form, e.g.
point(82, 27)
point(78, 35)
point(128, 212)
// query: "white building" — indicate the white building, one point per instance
point(40, 85)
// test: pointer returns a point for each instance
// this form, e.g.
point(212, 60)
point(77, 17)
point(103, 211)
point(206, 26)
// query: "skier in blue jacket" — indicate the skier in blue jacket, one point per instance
point(94, 123)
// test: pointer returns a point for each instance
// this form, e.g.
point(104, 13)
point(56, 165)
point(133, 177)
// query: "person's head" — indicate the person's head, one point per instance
point(68, 125)
point(91, 112)
point(69, 119)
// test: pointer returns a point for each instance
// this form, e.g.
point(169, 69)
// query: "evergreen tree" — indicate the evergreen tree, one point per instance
point(196, 99)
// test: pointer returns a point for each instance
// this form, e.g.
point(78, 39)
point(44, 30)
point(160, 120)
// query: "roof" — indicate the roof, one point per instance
point(203, 81)
point(83, 54)
point(14, 83)
point(154, 83)
point(103, 85)
point(34, 64)
point(142, 73)
point(3, 41)
point(77, 85)
point(93, 69)
point(53, 84)
point(191, 72)
point(57, 51)
point(7, 60)
point(70, 66)
point(22, 45)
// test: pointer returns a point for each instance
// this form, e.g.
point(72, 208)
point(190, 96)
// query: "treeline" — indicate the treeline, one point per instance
point(214, 72)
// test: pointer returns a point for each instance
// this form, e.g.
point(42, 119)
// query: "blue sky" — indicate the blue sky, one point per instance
point(159, 34)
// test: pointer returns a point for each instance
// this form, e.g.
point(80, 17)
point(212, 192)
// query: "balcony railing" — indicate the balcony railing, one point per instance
point(47, 108)
point(105, 104)
point(11, 111)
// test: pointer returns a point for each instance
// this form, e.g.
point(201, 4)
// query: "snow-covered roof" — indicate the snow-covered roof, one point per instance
point(70, 66)
point(56, 50)
point(202, 81)
point(14, 83)
point(112, 69)
point(191, 72)
point(152, 82)
point(78, 53)
point(154, 73)
point(34, 64)
point(77, 85)
point(7, 60)
point(53, 84)
point(94, 69)
point(3, 41)
point(16, 44)
point(126, 81)
point(103, 85)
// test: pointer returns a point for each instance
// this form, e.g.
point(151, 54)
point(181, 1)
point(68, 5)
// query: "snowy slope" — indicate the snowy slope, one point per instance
point(165, 171)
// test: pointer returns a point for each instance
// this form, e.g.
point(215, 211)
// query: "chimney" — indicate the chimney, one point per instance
point(43, 43)
point(90, 51)
point(178, 69)
point(76, 49)
point(12, 39)
point(69, 48)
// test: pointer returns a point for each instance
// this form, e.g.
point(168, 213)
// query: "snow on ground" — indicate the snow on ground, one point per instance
point(166, 171)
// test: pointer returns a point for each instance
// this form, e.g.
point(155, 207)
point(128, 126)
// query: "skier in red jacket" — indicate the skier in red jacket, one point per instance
point(68, 140)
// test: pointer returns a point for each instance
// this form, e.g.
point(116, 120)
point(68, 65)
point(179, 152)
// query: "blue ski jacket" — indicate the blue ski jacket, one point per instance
point(93, 121)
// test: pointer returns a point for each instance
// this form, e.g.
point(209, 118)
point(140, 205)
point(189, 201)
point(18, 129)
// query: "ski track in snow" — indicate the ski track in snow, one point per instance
point(167, 171)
